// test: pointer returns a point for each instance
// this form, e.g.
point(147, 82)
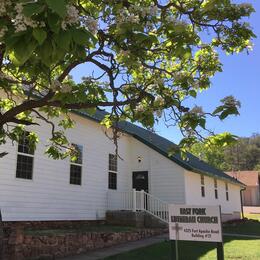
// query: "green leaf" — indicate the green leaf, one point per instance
point(39, 34)
point(80, 37)
point(32, 8)
point(57, 6)
point(45, 53)
point(64, 38)
point(91, 37)
point(22, 52)
point(202, 122)
point(193, 93)
point(54, 22)
point(218, 109)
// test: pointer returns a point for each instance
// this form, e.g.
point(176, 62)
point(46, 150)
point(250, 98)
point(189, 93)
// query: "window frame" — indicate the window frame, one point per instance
point(202, 186)
point(24, 154)
point(77, 164)
point(112, 171)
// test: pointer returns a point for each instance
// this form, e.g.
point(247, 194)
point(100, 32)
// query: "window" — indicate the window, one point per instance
point(24, 166)
point(202, 191)
point(216, 188)
point(227, 195)
point(202, 183)
point(112, 172)
point(76, 166)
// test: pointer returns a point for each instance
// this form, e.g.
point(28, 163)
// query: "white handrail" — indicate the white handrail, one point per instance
point(138, 201)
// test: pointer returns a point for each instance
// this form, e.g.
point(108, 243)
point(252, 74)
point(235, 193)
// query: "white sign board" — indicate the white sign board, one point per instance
point(195, 223)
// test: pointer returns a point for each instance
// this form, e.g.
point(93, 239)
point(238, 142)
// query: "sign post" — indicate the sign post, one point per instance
point(195, 223)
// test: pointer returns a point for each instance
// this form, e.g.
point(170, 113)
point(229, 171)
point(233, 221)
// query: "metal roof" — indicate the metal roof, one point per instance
point(163, 146)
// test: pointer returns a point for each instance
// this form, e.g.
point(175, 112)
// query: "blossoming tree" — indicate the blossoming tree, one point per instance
point(149, 56)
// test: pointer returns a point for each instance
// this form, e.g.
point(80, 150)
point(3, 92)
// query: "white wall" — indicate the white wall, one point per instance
point(49, 196)
point(166, 179)
point(193, 193)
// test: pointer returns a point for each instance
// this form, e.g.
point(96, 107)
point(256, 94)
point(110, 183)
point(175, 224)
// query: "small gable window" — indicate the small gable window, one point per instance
point(25, 157)
point(112, 172)
point(202, 184)
point(226, 187)
point(216, 188)
point(76, 166)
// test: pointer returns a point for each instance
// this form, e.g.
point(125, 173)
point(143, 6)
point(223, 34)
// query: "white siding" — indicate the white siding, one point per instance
point(49, 196)
point(193, 193)
point(166, 179)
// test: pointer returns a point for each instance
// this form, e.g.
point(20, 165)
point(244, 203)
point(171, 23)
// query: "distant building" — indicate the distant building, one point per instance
point(251, 195)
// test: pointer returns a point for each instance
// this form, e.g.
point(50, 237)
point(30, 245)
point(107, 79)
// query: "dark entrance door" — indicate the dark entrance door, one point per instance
point(140, 181)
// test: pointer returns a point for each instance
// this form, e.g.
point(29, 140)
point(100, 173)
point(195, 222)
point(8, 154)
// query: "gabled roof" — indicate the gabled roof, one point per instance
point(163, 145)
point(250, 178)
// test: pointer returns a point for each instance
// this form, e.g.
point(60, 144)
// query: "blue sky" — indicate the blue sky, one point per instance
point(240, 78)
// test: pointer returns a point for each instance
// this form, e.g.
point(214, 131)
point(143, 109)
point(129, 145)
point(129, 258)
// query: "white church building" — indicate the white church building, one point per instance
point(34, 187)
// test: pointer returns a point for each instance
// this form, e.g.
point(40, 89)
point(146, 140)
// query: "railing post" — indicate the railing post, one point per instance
point(142, 200)
point(134, 200)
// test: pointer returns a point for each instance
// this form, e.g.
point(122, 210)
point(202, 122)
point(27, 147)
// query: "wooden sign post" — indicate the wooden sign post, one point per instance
point(176, 249)
point(195, 223)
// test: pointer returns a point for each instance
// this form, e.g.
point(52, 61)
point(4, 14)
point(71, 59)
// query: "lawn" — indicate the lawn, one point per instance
point(81, 229)
point(234, 248)
point(252, 216)
point(247, 228)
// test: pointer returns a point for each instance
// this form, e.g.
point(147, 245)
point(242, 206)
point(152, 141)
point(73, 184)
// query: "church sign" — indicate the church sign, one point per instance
point(195, 223)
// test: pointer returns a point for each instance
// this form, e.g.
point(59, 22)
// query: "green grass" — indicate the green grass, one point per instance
point(233, 249)
point(247, 228)
point(81, 229)
point(253, 216)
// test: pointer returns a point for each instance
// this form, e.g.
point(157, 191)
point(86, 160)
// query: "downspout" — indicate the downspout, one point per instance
point(241, 202)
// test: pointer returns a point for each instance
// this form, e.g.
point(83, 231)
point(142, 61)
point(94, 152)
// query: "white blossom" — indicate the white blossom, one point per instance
point(55, 85)
point(197, 110)
point(124, 53)
point(144, 11)
point(176, 22)
point(21, 22)
point(66, 88)
point(126, 17)
point(179, 75)
point(72, 17)
point(4, 4)
point(250, 46)
point(87, 79)
point(153, 10)
point(245, 5)
point(139, 109)
point(196, 84)
point(158, 113)
point(159, 81)
point(90, 23)
point(159, 101)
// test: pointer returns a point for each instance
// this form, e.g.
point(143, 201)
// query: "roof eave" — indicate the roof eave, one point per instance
point(174, 159)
